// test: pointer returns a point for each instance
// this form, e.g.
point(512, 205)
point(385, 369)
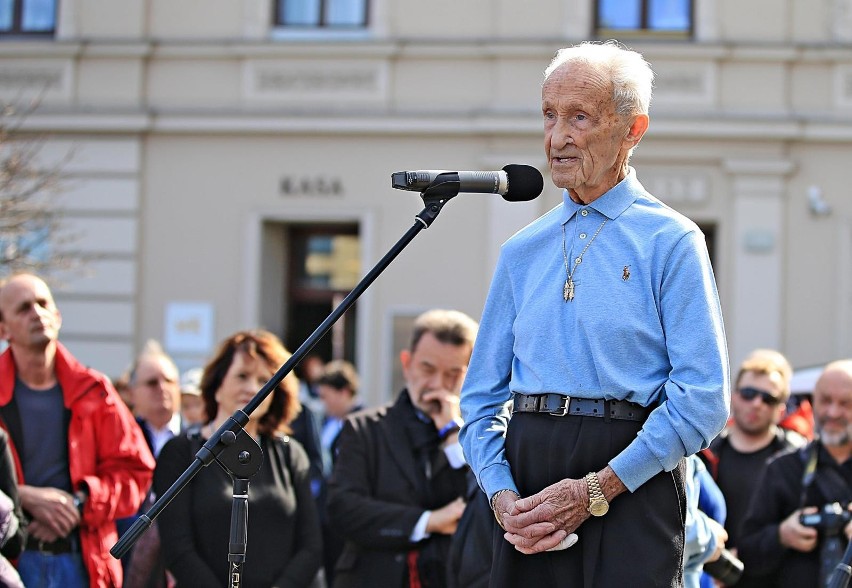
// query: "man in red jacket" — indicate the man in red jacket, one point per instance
point(82, 461)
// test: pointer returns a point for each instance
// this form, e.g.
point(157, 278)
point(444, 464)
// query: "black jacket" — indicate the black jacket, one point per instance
point(779, 493)
point(379, 490)
point(472, 548)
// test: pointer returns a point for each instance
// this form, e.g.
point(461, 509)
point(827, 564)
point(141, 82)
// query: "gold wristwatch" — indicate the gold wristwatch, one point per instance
point(598, 506)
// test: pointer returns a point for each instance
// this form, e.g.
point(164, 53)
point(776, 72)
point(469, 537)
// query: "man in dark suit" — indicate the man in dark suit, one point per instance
point(154, 385)
point(396, 491)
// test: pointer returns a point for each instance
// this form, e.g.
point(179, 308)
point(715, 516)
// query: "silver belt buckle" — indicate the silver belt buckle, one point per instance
point(564, 408)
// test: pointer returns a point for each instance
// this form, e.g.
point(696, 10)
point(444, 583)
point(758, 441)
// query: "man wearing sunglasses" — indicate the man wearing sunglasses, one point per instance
point(738, 456)
point(797, 527)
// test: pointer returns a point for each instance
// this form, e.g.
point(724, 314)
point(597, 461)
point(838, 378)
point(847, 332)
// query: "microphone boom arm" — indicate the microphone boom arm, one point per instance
point(227, 445)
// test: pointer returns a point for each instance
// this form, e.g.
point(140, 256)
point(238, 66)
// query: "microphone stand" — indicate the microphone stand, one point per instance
point(234, 449)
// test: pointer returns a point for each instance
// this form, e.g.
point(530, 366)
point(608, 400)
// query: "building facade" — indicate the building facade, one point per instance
point(230, 159)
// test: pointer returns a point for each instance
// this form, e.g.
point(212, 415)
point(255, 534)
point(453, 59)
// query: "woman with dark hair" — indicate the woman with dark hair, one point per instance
point(284, 542)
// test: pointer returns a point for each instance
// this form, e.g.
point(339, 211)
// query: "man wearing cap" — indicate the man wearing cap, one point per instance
point(191, 403)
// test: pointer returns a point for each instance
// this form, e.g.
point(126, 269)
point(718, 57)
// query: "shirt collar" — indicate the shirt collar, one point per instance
point(610, 204)
point(170, 428)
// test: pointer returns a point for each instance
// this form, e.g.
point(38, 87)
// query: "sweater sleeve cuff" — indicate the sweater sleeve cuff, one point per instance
point(497, 477)
point(635, 465)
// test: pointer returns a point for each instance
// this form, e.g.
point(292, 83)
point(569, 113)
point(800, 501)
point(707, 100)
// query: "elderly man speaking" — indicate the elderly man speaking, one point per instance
point(602, 338)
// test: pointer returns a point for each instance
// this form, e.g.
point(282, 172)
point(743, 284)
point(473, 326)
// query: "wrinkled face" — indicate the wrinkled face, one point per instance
point(833, 408)
point(584, 138)
point(30, 318)
point(242, 381)
point(155, 392)
point(756, 415)
point(434, 366)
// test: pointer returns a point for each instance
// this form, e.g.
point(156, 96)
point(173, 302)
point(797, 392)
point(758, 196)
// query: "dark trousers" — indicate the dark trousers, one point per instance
point(638, 543)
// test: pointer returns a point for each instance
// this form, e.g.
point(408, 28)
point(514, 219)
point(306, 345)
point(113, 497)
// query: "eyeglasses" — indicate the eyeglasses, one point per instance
point(748, 393)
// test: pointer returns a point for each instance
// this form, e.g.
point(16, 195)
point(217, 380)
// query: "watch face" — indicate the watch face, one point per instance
point(598, 507)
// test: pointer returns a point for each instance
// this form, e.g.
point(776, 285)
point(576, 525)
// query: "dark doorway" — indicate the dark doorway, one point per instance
point(324, 265)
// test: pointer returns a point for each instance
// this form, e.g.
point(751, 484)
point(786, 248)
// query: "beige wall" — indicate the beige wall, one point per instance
point(187, 115)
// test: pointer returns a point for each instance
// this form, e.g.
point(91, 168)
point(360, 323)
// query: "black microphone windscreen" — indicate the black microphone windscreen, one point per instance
point(525, 182)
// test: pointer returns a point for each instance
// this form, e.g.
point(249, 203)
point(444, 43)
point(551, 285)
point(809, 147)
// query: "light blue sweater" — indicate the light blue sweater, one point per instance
point(645, 326)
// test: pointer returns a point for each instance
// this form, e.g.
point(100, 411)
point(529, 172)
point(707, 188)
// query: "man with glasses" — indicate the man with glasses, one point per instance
point(396, 492)
point(155, 389)
point(155, 392)
point(797, 527)
point(738, 456)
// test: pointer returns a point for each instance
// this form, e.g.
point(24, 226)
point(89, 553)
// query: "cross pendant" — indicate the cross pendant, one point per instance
point(568, 290)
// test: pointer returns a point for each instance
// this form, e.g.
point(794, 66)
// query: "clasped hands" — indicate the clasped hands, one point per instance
point(545, 521)
point(52, 510)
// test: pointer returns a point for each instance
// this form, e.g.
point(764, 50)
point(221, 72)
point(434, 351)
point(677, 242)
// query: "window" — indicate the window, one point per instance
point(325, 14)
point(644, 17)
point(27, 17)
point(324, 266)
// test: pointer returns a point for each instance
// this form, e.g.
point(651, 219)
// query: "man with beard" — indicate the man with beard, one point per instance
point(395, 494)
point(778, 550)
point(738, 456)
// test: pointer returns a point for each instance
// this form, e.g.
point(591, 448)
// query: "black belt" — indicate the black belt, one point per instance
point(62, 545)
point(562, 405)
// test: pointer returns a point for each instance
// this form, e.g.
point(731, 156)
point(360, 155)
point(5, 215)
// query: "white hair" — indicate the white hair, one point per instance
point(631, 76)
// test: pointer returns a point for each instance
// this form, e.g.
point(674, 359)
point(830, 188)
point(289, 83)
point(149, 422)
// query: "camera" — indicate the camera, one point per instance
point(727, 569)
point(829, 521)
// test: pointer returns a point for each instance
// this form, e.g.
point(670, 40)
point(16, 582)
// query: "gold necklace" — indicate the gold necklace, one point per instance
point(568, 289)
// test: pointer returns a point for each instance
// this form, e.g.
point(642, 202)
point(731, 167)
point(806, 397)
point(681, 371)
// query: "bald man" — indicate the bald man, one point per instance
point(777, 549)
point(81, 460)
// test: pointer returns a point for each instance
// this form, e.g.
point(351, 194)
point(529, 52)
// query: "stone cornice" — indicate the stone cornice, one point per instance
point(266, 123)
point(382, 47)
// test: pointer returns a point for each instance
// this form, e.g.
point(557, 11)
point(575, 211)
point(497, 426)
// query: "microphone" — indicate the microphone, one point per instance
point(515, 183)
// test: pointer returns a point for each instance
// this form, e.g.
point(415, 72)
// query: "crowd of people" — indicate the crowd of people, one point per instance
point(586, 432)
point(81, 461)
